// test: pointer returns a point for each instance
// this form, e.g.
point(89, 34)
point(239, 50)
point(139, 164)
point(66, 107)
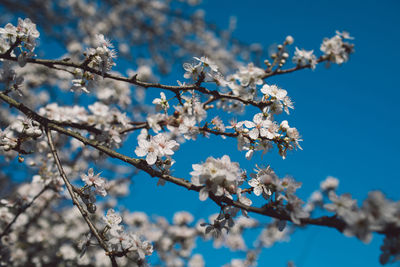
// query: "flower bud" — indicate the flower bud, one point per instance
point(289, 40)
point(91, 207)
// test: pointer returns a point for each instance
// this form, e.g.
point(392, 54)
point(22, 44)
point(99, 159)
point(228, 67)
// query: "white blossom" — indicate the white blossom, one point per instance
point(249, 76)
point(112, 219)
point(335, 49)
point(161, 103)
point(95, 180)
point(103, 55)
point(219, 176)
point(303, 58)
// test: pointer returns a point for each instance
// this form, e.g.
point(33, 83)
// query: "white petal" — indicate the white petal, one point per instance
point(257, 190)
point(249, 154)
point(203, 194)
point(143, 143)
point(263, 132)
point(258, 118)
point(140, 152)
point(253, 182)
point(254, 134)
point(246, 201)
point(151, 158)
point(168, 152)
point(197, 167)
point(249, 124)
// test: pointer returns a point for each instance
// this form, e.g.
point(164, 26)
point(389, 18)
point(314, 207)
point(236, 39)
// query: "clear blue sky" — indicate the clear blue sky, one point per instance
point(347, 115)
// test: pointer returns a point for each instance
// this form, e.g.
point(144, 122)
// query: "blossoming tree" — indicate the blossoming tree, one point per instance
point(64, 145)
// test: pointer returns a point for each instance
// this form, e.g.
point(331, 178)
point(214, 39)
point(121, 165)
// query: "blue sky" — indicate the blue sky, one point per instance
point(347, 115)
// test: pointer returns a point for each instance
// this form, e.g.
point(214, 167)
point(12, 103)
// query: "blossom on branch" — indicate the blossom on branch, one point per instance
point(157, 147)
point(95, 180)
point(303, 58)
point(219, 176)
point(103, 55)
point(335, 49)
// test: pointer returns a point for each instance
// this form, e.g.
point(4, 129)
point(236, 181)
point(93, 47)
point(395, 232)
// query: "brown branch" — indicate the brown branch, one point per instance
point(298, 67)
point(75, 200)
point(327, 221)
point(175, 89)
point(89, 128)
point(143, 125)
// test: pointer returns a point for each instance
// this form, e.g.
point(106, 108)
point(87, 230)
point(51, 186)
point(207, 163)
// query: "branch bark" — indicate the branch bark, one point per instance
point(327, 221)
point(75, 200)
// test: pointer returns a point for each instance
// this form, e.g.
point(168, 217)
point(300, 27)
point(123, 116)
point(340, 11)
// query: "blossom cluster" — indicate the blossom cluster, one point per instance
point(221, 177)
point(95, 181)
point(261, 132)
point(26, 33)
point(266, 183)
point(376, 214)
point(156, 147)
point(111, 122)
point(24, 36)
point(303, 58)
point(120, 241)
point(19, 135)
point(277, 98)
point(336, 49)
point(101, 57)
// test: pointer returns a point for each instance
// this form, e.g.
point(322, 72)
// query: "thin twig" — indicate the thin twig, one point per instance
point(298, 67)
point(75, 200)
point(22, 210)
point(175, 89)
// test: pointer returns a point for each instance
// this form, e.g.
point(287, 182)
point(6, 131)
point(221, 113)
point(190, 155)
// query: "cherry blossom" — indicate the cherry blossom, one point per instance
point(303, 57)
point(260, 126)
point(95, 180)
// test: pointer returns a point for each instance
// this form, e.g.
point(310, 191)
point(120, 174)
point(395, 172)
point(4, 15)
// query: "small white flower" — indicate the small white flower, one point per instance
point(192, 71)
point(303, 57)
point(341, 205)
point(148, 149)
point(25, 31)
point(208, 63)
point(274, 92)
point(188, 128)
point(335, 49)
point(161, 103)
point(166, 147)
point(219, 176)
point(260, 126)
point(249, 76)
point(103, 55)
point(112, 219)
point(259, 187)
point(330, 183)
point(95, 180)
point(182, 217)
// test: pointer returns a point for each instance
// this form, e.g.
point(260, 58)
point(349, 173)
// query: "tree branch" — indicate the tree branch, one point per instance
point(298, 67)
point(75, 200)
point(175, 89)
point(328, 221)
